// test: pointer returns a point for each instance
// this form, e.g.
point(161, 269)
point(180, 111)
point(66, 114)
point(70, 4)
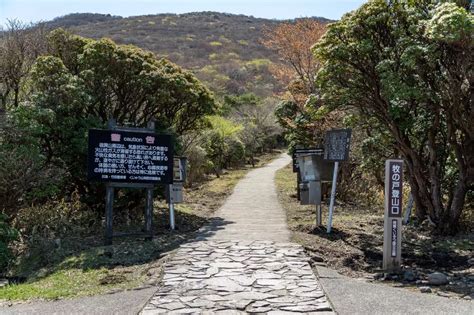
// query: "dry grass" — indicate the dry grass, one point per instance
point(354, 247)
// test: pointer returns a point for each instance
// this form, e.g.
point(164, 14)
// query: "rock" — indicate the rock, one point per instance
point(470, 261)
point(3, 283)
point(443, 294)
point(317, 259)
point(425, 289)
point(409, 276)
point(378, 276)
point(437, 278)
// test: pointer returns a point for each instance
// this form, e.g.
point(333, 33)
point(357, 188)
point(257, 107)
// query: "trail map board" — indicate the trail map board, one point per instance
point(130, 157)
point(336, 145)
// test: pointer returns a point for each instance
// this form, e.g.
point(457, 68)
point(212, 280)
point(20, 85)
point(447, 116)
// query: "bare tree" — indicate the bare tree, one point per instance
point(293, 42)
point(20, 45)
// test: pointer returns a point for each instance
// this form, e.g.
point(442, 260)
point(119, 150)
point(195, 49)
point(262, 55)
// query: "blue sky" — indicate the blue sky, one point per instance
point(36, 10)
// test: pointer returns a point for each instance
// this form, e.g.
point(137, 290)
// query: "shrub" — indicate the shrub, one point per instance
point(55, 219)
point(7, 235)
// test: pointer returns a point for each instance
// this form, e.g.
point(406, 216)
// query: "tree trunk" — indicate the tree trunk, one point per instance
point(449, 224)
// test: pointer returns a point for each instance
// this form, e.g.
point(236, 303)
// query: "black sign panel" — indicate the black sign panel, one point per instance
point(395, 188)
point(297, 152)
point(129, 157)
point(337, 143)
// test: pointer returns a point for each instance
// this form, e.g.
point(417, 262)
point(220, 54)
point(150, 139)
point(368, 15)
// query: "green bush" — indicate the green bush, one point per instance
point(24, 178)
point(7, 235)
point(56, 219)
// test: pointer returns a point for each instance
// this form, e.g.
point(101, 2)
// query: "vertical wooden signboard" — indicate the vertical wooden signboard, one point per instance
point(393, 215)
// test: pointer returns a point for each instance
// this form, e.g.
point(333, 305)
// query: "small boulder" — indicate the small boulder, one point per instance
point(409, 276)
point(3, 283)
point(437, 278)
point(425, 289)
point(317, 259)
point(470, 261)
point(378, 276)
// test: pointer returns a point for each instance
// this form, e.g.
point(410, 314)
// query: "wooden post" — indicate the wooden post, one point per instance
point(149, 213)
point(318, 215)
point(109, 208)
point(392, 237)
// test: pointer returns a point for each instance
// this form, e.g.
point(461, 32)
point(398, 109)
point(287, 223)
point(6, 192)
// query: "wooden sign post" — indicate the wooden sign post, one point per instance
point(336, 149)
point(392, 237)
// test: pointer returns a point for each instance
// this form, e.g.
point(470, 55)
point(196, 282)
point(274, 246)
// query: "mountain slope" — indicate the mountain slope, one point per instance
point(223, 50)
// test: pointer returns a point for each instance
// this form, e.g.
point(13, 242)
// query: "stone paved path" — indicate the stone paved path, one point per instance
point(243, 276)
point(242, 262)
point(252, 212)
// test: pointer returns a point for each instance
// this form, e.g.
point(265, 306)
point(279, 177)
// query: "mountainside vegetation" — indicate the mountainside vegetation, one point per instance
point(222, 50)
point(216, 99)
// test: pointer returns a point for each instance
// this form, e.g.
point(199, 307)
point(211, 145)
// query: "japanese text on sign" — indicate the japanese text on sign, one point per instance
point(395, 189)
point(394, 238)
point(336, 144)
point(129, 156)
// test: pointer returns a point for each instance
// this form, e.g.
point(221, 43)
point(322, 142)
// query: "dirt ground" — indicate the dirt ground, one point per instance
point(354, 247)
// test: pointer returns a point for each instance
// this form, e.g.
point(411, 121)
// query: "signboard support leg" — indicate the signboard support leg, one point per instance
point(149, 213)
point(172, 224)
point(298, 182)
point(318, 215)
point(109, 208)
point(333, 196)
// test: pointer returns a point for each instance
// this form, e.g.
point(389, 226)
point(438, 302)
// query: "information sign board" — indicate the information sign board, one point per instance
point(337, 144)
point(130, 157)
point(305, 151)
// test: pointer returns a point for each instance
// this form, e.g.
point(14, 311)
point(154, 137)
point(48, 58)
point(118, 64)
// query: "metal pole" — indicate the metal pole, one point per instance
point(149, 212)
point(333, 196)
point(109, 208)
point(172, 223)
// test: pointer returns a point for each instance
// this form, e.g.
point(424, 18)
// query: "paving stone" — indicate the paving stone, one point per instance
point(185, 299)
point(250, 295)
point(259, 310)
point(300, 308)
point(213, 275)
point(243, 280)
point(172, 306)
point(207, 284)
point(227, 265)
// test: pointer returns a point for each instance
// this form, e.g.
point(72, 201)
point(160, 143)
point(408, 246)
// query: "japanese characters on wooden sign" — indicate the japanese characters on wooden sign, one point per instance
point(393, 214)
point(337, 144)
point(130, 157)
point(395, 185)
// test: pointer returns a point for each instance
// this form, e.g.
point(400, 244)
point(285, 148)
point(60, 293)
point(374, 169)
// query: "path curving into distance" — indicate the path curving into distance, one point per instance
point(242, 262)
